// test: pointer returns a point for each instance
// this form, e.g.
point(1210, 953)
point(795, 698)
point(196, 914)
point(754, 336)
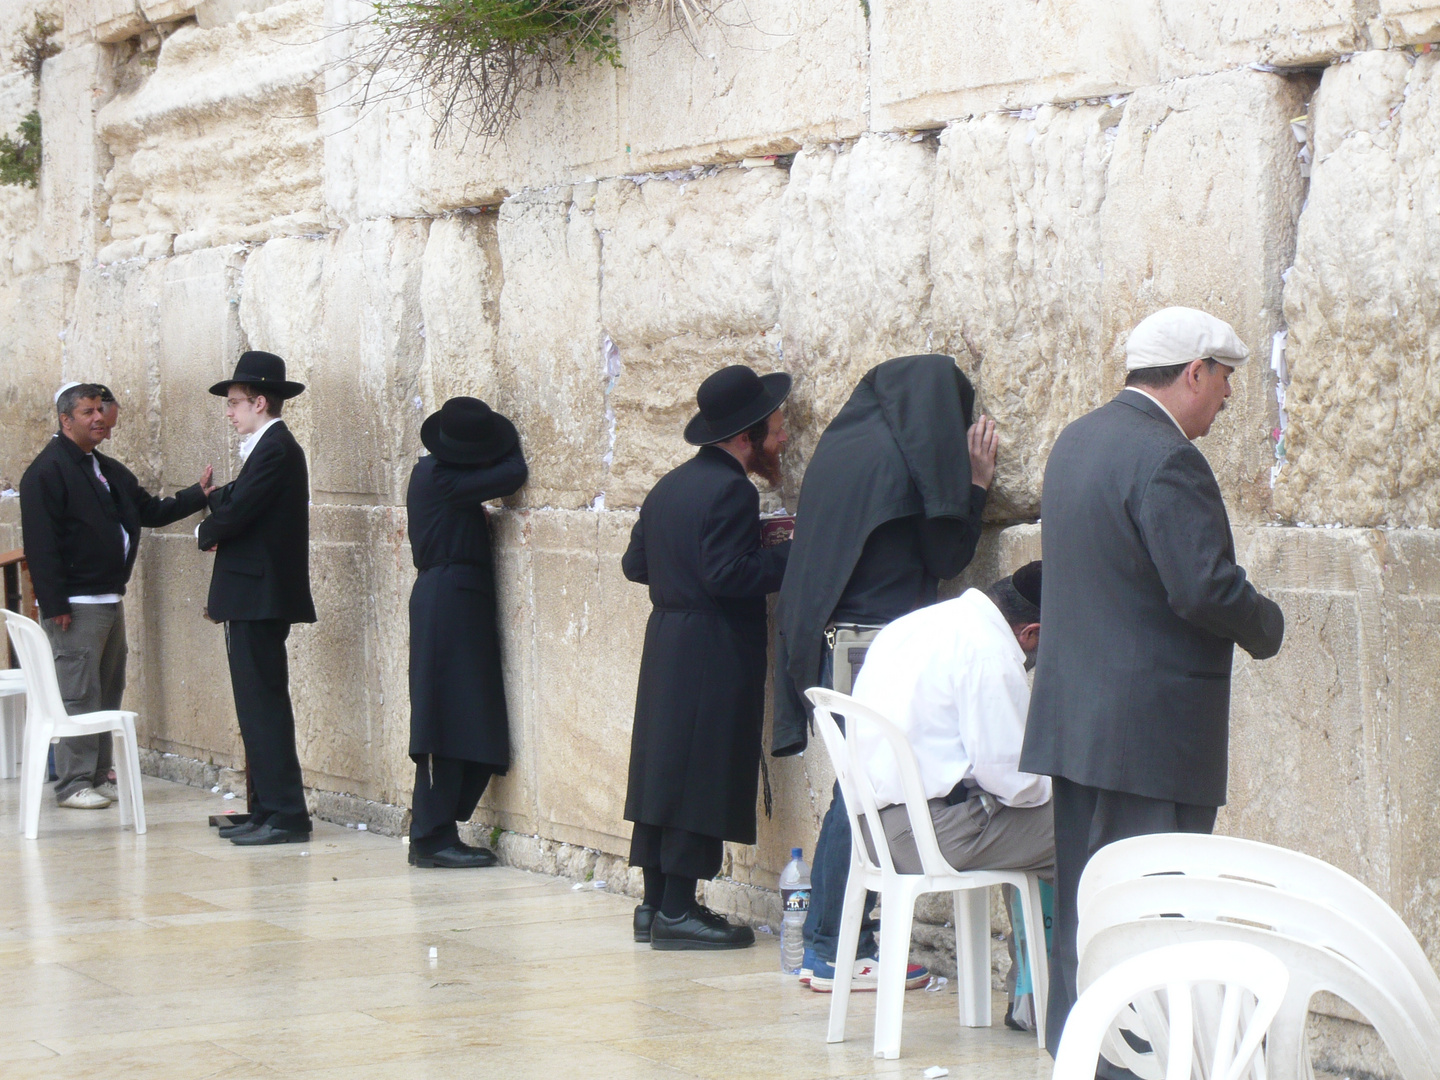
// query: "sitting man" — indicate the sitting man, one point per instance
point(952, 676)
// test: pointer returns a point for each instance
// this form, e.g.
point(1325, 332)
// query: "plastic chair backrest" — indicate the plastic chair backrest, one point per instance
point(1311, 971)
point(42, 688)
point(1217, 900)
point(830, 702)
point(1231, 858)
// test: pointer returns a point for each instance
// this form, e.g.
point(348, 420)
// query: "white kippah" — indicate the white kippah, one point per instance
point(62, 389)
point(1178, 335)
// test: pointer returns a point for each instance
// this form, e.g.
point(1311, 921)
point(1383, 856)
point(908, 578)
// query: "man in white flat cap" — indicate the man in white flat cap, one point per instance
point(1144, 604)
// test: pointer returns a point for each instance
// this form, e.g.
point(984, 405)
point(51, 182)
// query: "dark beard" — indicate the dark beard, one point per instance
point(766, 465)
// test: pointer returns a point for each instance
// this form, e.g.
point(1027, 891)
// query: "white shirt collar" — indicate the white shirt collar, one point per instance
point(247, 444)
point(1166, 411)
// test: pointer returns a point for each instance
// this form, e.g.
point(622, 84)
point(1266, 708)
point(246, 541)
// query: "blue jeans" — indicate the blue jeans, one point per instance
point(830, 872)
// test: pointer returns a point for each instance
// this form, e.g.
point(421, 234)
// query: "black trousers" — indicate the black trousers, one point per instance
point(447, 790)
point(1086, 819)
point(260, 679)
point(675, 851)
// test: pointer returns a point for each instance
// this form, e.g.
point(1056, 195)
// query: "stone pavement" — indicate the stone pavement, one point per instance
point(176, 954)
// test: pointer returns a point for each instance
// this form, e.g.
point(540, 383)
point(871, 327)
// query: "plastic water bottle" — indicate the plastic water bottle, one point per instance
point(795, 899)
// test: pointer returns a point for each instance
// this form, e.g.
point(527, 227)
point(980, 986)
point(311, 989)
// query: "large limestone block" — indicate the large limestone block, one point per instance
point(1204, 190)
point(1203, 35)
point(688, 287)
point(32, 309)
point(933, 62)
point(852, 270)
point(73, 85)
point(1404, 22)
point(550, 342)
point(345, 314)
point(385, 158)
point(1018, 279)
point(1362, 308)
point(200, 340)
point(753, 78)
point(460, 279)
point(21, 247)
point(222, 143)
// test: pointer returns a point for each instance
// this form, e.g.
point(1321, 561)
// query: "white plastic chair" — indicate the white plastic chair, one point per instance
point(898, 892)
point(12, 720)
point(1227, 1038)
point(1231, 858)
point(1311, 970)
point(48, 722)
point(1220, 903)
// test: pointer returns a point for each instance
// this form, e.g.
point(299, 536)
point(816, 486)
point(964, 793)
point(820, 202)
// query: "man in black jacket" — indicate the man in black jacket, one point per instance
point(695, 751)
point(259, 529)
point(81, 514)
point(890, 506)
point(1144, 605)
point(459, 725)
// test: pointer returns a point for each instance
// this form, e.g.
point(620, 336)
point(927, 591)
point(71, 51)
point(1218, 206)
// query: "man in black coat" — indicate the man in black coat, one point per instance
point(890, 506)
point(259, 529)
point(1144, 605)
point(695, 751)
point(459, 726)
point(80, 515)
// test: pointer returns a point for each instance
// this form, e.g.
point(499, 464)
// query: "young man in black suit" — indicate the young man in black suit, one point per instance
point(259, 529)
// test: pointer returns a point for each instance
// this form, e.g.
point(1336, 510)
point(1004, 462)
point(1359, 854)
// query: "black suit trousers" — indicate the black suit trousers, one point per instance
point(260, 679)
point(1086, 819)
point(447, 790)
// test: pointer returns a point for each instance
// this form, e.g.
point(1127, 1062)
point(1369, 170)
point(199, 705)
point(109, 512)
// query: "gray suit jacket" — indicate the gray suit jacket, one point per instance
point(1142, 606)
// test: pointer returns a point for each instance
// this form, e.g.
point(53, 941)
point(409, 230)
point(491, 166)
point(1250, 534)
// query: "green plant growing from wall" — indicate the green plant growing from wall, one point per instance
point(475, 59)
point(20, 158)
point(36, 46)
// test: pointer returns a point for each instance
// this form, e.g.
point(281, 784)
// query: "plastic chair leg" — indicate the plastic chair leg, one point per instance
point(10, 730)
point(120, 740)
point(136, 798)
point(1034, 917)
point(972, 947)
point(898, 904)
point(850, 918)
point(32, 787)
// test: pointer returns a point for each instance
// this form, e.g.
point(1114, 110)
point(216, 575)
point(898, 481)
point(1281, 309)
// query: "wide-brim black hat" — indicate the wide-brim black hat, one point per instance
point(466, 431)
point(262, 370)
point(733, 399)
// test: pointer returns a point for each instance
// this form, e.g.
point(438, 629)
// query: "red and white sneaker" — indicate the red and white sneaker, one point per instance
point(865, 977)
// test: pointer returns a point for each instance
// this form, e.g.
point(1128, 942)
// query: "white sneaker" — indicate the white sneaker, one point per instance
point(85, 799)
point(109, 790)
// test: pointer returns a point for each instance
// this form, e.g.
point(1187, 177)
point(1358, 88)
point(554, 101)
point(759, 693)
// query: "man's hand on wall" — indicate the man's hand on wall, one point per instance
point(984, 444)
point(206, 484)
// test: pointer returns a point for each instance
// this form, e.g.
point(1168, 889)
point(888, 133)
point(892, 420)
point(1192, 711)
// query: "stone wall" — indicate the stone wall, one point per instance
point(812, 188)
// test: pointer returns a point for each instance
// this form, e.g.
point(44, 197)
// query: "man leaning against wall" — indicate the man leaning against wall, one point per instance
point(1144, 605)
point(80, 515)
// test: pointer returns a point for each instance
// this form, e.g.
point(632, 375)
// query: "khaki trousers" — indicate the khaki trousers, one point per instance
point(90, 667)
point(972, 838)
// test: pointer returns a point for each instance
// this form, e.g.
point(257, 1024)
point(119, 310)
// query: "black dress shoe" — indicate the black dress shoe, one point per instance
point(271, 834)
point(644, 917)
point(227, 831)
point(698, 928)
point(454, 857)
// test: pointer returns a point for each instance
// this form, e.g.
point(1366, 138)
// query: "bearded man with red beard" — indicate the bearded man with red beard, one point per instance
point(695, 750)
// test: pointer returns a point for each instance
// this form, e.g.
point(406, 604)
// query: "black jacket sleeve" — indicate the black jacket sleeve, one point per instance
point(234, 507)
point(634, 564)
point(469, 488)
point(732, 562)
point(948, 544)
point(42, 504)
point(156, 511)
point(1183, 522)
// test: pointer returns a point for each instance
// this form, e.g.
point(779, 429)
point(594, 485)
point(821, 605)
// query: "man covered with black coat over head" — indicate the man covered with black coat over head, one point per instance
point(890, 506)
point(459, 727)
point(259, 529)
point(695, 752)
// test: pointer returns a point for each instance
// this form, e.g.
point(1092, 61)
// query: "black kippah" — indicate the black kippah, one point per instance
point(1026, 581)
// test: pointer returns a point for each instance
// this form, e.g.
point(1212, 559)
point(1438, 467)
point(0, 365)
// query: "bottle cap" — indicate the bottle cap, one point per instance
point(795, 852)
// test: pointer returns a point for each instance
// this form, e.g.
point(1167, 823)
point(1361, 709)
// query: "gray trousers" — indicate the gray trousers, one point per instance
point(90, 667)
point(1010, 838)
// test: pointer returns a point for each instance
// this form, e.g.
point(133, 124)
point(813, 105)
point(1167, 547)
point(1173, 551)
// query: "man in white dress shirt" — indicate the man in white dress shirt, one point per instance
point(952, 675)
